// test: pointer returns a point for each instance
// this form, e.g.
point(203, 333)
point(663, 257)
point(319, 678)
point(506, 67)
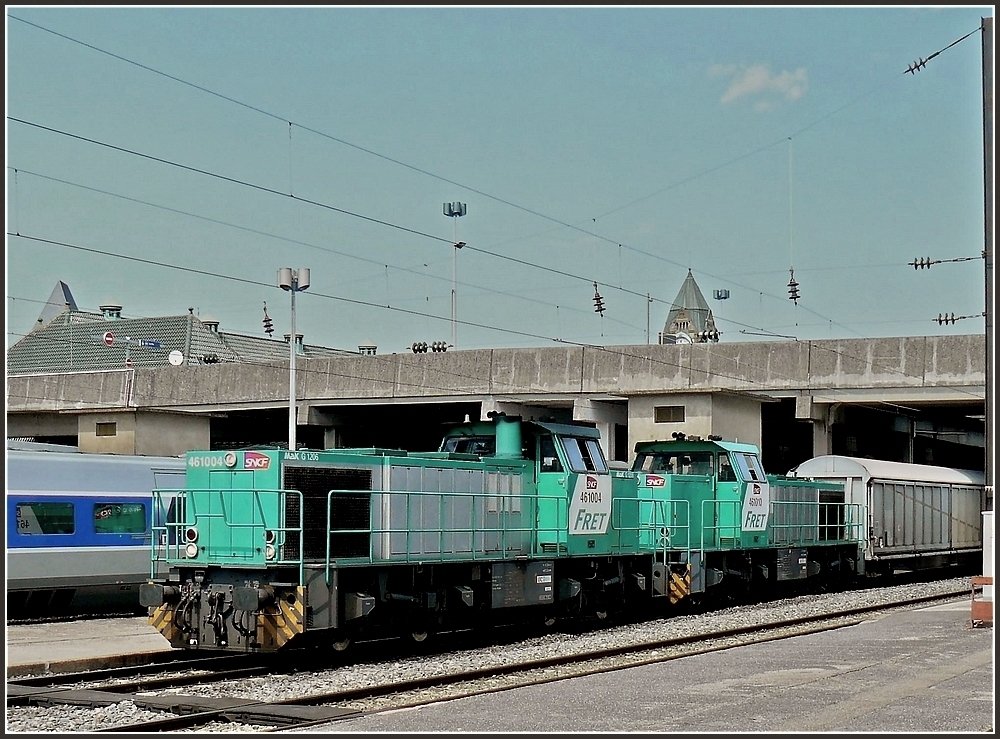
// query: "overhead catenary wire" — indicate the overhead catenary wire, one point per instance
point(323, 248)
point(428, 173)
point(519, 332)
point(272, 191)
point(388, 159)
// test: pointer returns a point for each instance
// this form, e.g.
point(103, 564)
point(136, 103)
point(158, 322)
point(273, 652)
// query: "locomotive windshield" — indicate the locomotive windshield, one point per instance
point(675, 463)
point(749, 467)
point(584, 454)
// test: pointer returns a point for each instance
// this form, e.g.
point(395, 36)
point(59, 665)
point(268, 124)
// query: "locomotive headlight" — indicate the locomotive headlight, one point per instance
point(269, 551)
point(191, 534)
point(191, 550)
point(269, 536)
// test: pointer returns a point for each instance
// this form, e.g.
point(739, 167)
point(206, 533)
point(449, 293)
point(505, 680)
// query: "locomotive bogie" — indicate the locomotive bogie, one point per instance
point(222, 609)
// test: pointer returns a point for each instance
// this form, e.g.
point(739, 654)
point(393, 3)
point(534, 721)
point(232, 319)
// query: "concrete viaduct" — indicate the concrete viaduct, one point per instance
point(918, 399)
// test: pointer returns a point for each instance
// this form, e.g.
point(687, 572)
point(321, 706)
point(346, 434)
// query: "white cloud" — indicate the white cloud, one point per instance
point(758, 82)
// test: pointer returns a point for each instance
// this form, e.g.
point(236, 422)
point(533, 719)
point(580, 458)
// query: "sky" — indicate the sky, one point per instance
point(170, 159)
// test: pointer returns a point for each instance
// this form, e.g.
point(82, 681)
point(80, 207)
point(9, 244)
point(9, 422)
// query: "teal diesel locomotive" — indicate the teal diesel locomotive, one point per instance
point(272, 549)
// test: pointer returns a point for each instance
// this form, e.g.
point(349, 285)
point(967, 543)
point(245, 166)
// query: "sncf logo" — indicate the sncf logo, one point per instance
point(256, 461)
point(755, 490)
point(591, 482)
point(654, 481)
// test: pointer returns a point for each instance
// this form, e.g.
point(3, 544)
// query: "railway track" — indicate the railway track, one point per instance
point(192, 711)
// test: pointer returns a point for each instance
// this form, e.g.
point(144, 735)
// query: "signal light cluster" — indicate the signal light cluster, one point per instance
point(420, 347)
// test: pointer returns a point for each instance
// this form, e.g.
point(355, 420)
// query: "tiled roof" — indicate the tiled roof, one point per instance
point(74, 341)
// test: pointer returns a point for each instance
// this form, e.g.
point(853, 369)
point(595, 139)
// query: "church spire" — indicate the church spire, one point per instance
point(689, 319)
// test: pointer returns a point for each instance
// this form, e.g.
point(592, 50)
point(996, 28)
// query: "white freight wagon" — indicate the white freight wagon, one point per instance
point(917, 516)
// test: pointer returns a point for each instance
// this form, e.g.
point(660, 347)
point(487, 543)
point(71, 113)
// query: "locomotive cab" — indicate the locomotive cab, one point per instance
point(571, 476)
point(735, 524)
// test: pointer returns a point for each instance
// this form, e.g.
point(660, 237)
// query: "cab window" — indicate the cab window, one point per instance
point(726, 471)
point(548, 459)
point(584, 454)
point(484, 446)
point(749, 467)
point(675, 463)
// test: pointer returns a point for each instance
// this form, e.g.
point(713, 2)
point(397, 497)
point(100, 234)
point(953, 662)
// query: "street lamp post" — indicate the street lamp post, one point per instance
point(455, 211)
point(293, 280)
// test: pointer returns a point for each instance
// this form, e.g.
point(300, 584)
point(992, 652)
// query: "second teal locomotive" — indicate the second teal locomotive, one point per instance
point(271, 549)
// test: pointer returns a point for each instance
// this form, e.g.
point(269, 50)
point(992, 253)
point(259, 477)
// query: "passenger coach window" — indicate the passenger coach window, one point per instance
point(120, 518)
point(44, 518)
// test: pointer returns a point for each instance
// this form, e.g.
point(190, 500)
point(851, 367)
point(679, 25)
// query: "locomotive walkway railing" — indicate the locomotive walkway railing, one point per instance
point(790, 523)
point(411, 526)
point(254, 519)
point(249, 527)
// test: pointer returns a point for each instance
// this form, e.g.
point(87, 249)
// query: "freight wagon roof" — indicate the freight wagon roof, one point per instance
point(838, 466)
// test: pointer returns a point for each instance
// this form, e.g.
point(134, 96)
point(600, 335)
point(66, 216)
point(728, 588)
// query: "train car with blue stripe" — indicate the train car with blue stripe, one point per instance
point(79, 528)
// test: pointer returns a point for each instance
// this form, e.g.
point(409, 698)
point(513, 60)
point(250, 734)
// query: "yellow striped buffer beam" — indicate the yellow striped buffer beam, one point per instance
point(282, 620)
point(679, 586)
point(161, 618)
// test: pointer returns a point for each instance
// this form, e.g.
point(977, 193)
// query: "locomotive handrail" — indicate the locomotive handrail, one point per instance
point(160, 546)
point(714, 508)
point(185, 515)
point(662, 523)
point(662, 527)
point(522, 540)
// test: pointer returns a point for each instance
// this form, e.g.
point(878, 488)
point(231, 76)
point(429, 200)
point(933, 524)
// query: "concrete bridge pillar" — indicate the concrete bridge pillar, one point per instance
point(821, 417)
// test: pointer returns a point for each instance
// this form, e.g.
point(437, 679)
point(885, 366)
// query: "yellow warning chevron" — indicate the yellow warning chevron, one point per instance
point(162, 619)
point(680, 585)
point(275, 629)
